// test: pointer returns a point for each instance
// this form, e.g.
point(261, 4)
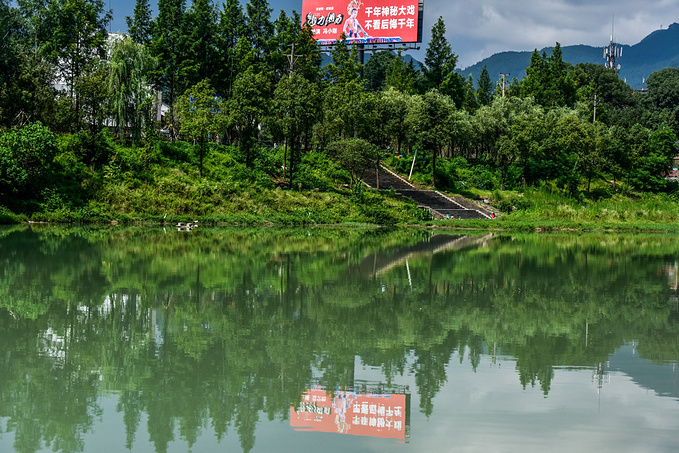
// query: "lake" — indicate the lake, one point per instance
point(335, 340)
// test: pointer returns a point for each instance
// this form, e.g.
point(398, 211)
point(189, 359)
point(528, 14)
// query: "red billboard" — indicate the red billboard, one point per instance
point(365, 22)
point(351, 412)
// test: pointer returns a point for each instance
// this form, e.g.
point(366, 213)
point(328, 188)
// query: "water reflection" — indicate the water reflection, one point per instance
point(213, 336)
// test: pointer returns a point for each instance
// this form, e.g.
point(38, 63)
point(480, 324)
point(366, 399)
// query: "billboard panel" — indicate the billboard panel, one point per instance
point(351, 412)
point(366, 22)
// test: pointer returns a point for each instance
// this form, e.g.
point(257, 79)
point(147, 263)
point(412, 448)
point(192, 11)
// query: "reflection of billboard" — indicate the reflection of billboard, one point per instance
point(351, 412)
point(367, 22)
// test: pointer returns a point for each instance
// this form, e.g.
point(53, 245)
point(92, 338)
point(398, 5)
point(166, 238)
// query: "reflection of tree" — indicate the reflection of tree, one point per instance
point(126, 312)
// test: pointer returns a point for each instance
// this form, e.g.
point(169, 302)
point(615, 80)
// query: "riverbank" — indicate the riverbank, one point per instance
point(163, 184)
point(538, 211)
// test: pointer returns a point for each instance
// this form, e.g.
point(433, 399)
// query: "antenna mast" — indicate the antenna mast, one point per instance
point(612, 52)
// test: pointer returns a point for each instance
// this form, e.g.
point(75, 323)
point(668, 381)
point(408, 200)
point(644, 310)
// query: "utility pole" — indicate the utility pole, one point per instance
point(503, 82)
point(595, 104)
point(292, 58)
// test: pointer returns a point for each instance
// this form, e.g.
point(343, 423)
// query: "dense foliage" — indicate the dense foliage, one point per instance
point(239, 86)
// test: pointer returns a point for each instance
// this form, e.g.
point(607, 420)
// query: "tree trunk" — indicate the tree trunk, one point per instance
point(433, 169)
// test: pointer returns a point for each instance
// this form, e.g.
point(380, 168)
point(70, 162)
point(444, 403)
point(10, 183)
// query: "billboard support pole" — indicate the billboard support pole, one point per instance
point(361, 56)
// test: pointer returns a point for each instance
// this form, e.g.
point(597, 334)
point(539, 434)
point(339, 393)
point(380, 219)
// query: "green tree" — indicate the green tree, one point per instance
point(78, 41)
point(434, 132)
point(168, 48)
point(345, 66)
point(534, 83)
point(247, 109)
point(548, 80)
point(202, 116)
point(201, 43)
point(470, 102)
point(294, 108)
point(26, 157)
point(654, 158)
point(439, 65)
point(259, 29)
point(663, 89)
point(139, 25)
point(231, 29)
point(344, 112)
point(401, 76)
point(129, 86)
point(393, 105)
point(376, 68)
point(355, 155)
point(484, 87)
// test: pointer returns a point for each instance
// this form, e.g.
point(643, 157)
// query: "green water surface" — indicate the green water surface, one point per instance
point(158, 340)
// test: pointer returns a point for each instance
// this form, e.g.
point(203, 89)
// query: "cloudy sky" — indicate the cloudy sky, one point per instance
point(479, 29)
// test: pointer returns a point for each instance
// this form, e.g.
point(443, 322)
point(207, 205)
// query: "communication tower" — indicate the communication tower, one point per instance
point(612, 52)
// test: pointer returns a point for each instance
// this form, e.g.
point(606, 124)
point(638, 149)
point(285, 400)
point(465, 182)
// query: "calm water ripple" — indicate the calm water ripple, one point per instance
point(156, 340)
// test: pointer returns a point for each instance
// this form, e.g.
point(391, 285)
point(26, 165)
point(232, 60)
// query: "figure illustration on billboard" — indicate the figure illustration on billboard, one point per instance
point(352, 27)
point(341, 404)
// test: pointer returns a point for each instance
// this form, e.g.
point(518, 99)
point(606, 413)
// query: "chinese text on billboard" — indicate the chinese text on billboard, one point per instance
point(351, 412)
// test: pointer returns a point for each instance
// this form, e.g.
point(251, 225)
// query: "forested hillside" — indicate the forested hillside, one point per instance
point(658, 50)
point(255, 129)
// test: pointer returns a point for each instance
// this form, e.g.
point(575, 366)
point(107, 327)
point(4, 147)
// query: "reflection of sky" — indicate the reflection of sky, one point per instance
point(485, 410)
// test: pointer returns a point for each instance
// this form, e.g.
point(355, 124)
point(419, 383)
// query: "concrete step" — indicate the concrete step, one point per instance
point(440, 206)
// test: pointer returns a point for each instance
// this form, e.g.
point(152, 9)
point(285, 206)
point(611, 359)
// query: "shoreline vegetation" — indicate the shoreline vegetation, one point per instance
point(147, 186)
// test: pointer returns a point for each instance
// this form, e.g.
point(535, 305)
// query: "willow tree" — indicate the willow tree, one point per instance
point(128, 83)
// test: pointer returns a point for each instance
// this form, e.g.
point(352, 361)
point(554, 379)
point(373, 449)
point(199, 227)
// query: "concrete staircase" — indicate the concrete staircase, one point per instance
point(440, 205)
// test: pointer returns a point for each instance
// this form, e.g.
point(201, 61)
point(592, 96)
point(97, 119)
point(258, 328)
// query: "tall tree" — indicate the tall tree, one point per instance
point(128, 82)
point(534, 83)
point(139, 25)
point(401, 76)
point(294, 108)
point(201, 42)
point(167, 47)
point(260, 29)
point(202, 115)
point(439, 65)
point(231, 29)
point(436, 111)
point(484, 87)
point(547, 80)
point(294, 49)
point(345, 66)
point(10, 53)
point(78, 40)
point(375, 70)
point(470, 101)
point(248, 106)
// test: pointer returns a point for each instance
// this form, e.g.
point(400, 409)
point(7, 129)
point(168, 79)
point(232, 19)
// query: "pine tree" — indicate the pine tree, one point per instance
point(139, 25)
point(484, 88)
point(400, 76)
point(470, 101)
point(201, 42)
point(231, 29)
point(345, 67)
point(260, 29)
point(439, 59)
point(167, 47)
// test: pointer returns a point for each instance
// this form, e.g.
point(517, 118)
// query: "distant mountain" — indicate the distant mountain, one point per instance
point(656, 51)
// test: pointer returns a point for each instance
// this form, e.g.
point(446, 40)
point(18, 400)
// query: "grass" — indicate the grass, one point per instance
point(161, 184)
